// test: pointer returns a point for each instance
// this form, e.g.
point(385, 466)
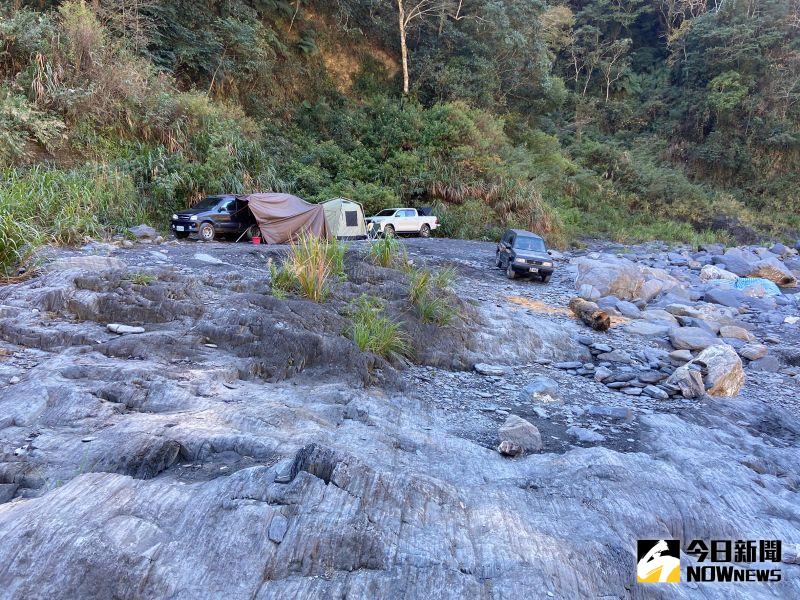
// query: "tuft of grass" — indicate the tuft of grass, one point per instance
point(141, 278)
point(444, 278)
point(309, 268)
point(374, 332)
point(419, 281)
point(435, 309)
point(336, 252)
point(425, 292)
point(388, 252)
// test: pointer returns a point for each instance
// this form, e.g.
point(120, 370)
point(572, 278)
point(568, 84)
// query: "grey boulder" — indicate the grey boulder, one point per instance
point(519, 431)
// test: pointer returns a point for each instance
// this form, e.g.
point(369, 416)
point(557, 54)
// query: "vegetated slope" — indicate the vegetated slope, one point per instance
point(633, 119)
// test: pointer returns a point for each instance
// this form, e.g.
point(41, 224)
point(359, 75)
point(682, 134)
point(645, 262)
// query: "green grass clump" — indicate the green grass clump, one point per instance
point(310, 268)
point(142, 278)
point(425, 291)
point(388, 252)
point(374, 332)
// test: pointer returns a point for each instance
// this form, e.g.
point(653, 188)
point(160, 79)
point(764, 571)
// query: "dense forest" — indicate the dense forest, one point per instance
point(630, 119)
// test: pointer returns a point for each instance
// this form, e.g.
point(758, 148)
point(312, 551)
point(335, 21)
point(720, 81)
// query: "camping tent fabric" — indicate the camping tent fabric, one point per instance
point(345, 218)
point(282, 217)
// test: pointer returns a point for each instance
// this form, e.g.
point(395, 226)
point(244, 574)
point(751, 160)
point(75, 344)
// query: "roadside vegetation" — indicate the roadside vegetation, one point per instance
point(571, 119)
point(426, 293)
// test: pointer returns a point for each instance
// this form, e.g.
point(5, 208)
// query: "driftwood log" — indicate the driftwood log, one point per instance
point(590, 314)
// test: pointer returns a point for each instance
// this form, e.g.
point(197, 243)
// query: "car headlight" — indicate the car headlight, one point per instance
point(547, 264)
point(519, 260)
point(193, 218)
point(174, 217)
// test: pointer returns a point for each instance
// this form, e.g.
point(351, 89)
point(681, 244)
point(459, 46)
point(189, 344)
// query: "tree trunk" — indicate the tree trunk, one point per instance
point(403, 46)
point(590, 314)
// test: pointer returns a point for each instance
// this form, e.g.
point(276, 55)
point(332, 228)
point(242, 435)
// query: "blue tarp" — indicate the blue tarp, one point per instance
point(770, 288)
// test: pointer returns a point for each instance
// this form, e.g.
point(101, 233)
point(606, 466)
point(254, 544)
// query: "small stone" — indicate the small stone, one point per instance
point(539, 387)
point(602, 373)
point(753, 351)
point(208, 259)
point(618, 356)
point(614, 412)
point(585, 435)
point(732, 331)
point(14, 380)
point(568, 365)
point(632, 391)
point(124, 329)
point(491, 370)
point(681, 355)
point(691, 338)
point(507, 448)
point(277, 528)
point(518, 430)
point(656, 392)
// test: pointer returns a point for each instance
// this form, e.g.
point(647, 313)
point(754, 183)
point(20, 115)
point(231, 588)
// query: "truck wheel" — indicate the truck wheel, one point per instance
point(546, 278)
point(207, 232)
point(388, 231)
point(425, 230)
point(510, 273)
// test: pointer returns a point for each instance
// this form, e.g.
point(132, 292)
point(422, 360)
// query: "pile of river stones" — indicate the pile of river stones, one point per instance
point(686, 304)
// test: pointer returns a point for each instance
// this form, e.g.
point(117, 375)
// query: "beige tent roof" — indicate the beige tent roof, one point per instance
point(345, 218)
point(282, 217)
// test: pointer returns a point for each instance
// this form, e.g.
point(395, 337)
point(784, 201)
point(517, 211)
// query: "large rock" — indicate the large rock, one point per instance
point(775, 271)
point(610, 276)
point(144, 232)
point(691, 338)
point(726, 297)
point(87, 263)
point(646, 329)
point(725, 376)
point(687, 381)
point(519, 431)
point(709, 272)
point(735, 332)
point(540, 387)
point(738, 261)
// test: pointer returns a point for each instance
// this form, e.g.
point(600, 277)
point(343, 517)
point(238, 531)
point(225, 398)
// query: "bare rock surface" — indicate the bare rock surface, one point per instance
point(243, 447)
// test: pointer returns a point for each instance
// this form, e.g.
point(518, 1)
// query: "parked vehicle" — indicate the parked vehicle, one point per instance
point(214, 216)
point(522, 253)
point(401, 220)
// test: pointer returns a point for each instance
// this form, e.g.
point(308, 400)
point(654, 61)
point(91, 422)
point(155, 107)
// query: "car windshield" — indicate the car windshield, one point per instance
point(386, 213)
point(531, 244)
point(207, 203)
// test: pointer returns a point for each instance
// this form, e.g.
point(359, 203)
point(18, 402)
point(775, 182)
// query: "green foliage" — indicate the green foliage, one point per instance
point(388, 252)
point(66, 206)
point(373, 331)
point(426, 292)
point(309, 268)
point(142, 278)
point(17, 241)
point(627, 118)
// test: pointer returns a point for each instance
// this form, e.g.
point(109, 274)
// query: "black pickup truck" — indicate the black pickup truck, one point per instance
point(215, 216)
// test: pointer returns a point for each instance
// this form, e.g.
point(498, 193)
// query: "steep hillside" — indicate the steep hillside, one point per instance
point(632, 120)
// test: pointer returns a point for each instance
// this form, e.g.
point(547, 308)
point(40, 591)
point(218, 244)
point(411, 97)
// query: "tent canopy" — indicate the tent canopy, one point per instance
point(282, 217)
point(345, 218)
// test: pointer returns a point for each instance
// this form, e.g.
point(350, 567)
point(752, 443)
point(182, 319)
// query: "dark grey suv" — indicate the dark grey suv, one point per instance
point(215, 216)
point(522, 253)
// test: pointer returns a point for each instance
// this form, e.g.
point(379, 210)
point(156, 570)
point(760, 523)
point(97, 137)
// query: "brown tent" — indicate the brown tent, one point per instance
point(282, 217)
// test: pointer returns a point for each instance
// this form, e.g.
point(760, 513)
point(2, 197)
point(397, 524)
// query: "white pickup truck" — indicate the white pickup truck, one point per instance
point(401, 220)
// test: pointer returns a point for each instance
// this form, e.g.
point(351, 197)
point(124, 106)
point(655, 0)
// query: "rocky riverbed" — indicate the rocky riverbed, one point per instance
point(230, 444)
